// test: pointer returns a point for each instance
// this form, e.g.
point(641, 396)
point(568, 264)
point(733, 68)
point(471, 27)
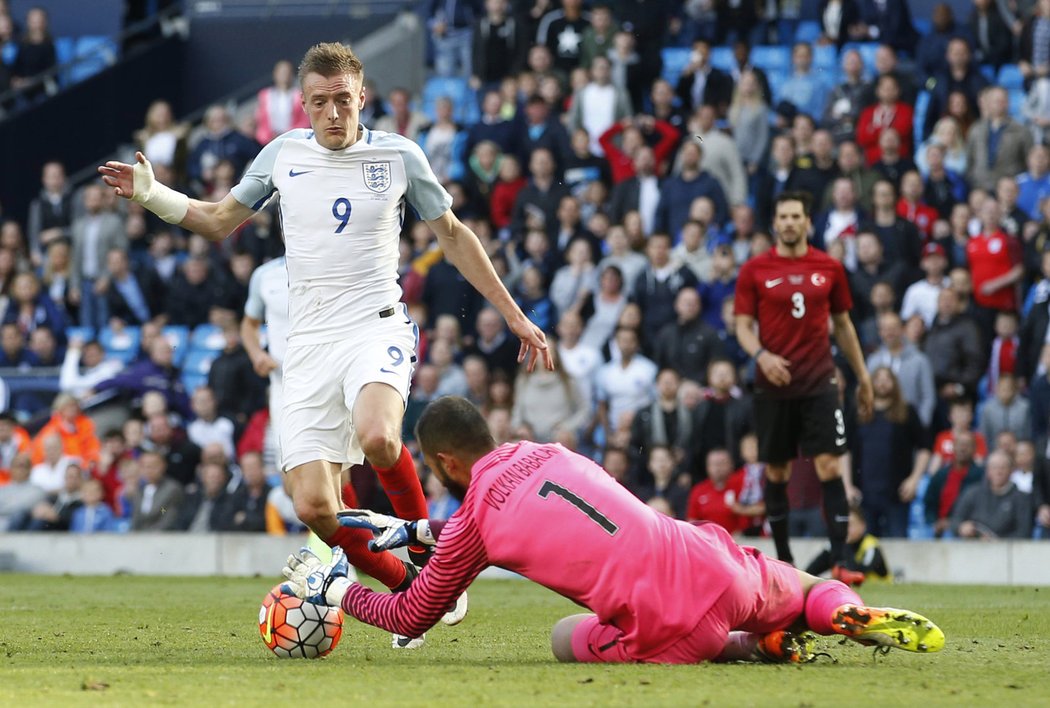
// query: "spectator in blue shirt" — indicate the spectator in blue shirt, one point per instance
point(804, 89)
point(220, 142)
point(92, 515)
point(31, 308)
point(679, 192)
point(1034, 184)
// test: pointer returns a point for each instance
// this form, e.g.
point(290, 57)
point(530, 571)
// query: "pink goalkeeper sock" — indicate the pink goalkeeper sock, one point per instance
point(822, 601)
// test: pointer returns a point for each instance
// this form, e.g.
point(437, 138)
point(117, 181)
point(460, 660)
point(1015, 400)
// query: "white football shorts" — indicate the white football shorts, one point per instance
point(322, 381)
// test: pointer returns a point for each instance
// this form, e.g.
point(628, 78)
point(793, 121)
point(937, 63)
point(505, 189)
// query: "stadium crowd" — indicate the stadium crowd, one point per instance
point(617, 202)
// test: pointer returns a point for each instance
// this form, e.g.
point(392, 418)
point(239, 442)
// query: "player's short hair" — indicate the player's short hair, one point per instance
point(453, 424)
point(330, 59)
point(801, 197)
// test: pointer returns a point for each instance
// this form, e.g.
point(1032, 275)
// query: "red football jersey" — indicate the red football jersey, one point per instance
point(991, 256)
point(792, 299)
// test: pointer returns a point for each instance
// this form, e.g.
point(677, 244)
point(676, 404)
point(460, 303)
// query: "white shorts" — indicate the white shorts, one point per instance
point(322, 381)
point(276, 401)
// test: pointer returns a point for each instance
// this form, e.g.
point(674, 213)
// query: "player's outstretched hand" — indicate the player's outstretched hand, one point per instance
point(263, 364)
point(129, 181)
point(315, 582)
point(533, 344)
point(391, 531)
point(775, 368)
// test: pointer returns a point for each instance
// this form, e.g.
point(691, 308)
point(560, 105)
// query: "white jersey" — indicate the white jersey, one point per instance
point(268, 302)
point(342, 212)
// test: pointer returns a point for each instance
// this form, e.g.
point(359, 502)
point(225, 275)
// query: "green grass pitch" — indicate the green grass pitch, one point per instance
point(190, 641)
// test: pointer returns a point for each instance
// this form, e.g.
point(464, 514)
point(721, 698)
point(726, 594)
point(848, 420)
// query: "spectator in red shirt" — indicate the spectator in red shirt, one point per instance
point(996, 266)
point(949, 482)
point(633, 134)
point(715, 499)
point(910, 205)
point(505, 191)
point(889, 112)
point(960, 414)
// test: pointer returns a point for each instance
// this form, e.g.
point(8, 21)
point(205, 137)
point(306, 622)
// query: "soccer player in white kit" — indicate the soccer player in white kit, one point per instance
point(351, 345)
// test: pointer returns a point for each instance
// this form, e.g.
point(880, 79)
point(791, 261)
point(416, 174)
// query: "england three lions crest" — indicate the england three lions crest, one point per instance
point(377, 176)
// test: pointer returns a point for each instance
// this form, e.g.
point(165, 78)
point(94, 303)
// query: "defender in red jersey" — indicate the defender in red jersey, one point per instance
point(791, 292)
point(660, 590)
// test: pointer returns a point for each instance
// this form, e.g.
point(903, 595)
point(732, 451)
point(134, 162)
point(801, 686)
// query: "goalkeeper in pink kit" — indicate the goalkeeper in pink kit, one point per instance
point(660, 590)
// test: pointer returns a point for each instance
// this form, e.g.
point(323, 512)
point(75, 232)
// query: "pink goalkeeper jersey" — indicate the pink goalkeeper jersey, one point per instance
point(557, 518)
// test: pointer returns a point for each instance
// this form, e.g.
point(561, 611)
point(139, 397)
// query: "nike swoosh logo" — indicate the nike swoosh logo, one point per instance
point(774, 283)
point(293, 173)
point(268, 633)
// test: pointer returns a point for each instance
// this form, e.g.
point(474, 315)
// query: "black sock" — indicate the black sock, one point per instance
point(836, 515)
point(411, 573)
point(777, 514)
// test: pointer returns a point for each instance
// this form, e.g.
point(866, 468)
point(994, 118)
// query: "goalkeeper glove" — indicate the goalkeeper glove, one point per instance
point(318, 583)
point(391, 531)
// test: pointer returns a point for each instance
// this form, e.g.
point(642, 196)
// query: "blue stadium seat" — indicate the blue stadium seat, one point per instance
point(1017, 99)
point(988, 71)
point(192, 382)
point(207, 338)
point(123, 346)
point(826, 56)
point(808, 31)
point(93, 54)
point(464, 102)
point(776, 79)
point(922, 105)
point(772, 58)
point(198, 362)
point(1010, 77)
point(65, 50)
point(923, 25)
point(84, 334)
point(722, 58)
point(10, 53)
point(178, 337)
point(675, 59)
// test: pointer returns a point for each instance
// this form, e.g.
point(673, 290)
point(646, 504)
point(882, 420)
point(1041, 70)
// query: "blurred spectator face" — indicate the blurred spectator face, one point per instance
point(496, 9)
point(203, 403)
point(489, 324)
point(532, 282)
point(722, 377)
point(217, 120)
point(960, 414)
point(242, 265)
point(581, 142)
point(446, 328)
point(598, 224)
point(661, 465)
point(997, 470)
point(440, 354)
point(783, 152)
point(213, 480)
point(958, 55)
point(964, 448)
point(212, 453)
point(960, 219)
point(12, 340)
point(541, 164)
point(1038, 160)
point(692, 235)
point(91, 493)
point(36, 22)
point(570, 327)
point(1006, 192)
point(578, 255)
point(883, 381)
point(627, 342)
point(662, 93)
point(869, 249)
point(667, 382)
point(995, 104)
point(154, 403)
point(443, 109)
point(802, 131)
point(499, 425)
point(52, 449)
point(536, 244)
point(749, 448)
point(601, 20)
point(691, 156)
point(540, 59)
point(7, 429)
point(934, 264)
point(935, 157)
point(849, 157)
point(801, 57)
point(728, 316)
point(883, 195)
point(117, 264)
point(658, 249)
point(887, 91)
point(21, 466)
point(890, 144)
point(961, 283)
point(623, 44)
point(92, 199)
point(748, 84)
point(54, 178)
point(74, 479)
point(616, 464)
point(1006, 324)
point(631, 317)
point(947, 304)
point(991, 215)
point(283, 74)
point(160, 352)
point(911, 186)
point(687, 305)
point(719, 466)
point(844, 195)
point(42, 343)
point(885, 59)
point(644, 161)
point(25, 288)
point(477, 373)
point(760, 243)
point(837, 250)
point(702, 209)
point(882, 296)
point(568, 211)
point(491, 104)
point(509, 168)
point(1007, 442)
point(601, 71)
point(427, 379)
point(1006, 388)
point(852, 65)
point(705, 118)
point(1024, 456)
point(701, 52)
point(722, 263)
point(195, 270)
point(58, 256)
point(823, 145)
point(159, 116)
point(611, 282)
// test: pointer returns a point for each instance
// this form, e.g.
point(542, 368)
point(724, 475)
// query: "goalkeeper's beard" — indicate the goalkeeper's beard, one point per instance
point(457, 490)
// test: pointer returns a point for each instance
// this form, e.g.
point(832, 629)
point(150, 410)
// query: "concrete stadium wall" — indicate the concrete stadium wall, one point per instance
point(993, 563)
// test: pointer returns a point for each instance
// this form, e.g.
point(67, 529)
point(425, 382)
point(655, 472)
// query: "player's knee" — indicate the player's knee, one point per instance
point(382, 447)
point(313, 510)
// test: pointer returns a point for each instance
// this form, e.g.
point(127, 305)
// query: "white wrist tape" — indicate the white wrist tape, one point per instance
point(423, 534)
point(169, 205)
point(336, 591)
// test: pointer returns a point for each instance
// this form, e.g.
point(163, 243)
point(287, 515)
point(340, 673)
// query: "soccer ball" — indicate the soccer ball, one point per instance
point(296, 629)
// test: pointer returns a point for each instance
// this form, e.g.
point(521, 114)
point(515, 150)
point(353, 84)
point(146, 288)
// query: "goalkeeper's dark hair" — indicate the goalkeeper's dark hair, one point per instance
point(453, 425)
